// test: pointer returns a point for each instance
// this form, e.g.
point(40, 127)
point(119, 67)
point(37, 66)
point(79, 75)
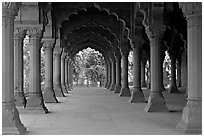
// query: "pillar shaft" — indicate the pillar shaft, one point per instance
point(19, 96)
point(35, 98)
point(118, 74)
point(49, 94)
point(11, 123)
point(70, 75)
point(57, 72)
point(156, 100)
point(63, 72)
point(191, 121)
point(137, 93)
point(179, 73)
point(67, 74)
point(113, 67)
point(106, 75)
point(143, 81)
point(109, 75)
point(173, 87)
point(125, 91)
point(184, 71)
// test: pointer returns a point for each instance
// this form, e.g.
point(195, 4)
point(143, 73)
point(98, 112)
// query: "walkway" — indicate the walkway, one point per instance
point(98, 111)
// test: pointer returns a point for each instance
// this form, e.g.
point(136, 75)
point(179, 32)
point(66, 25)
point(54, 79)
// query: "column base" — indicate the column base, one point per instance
point(64, 89)
point(68, 87)
point(117, 89)
point(108, 86)
point(49, 95)
point(58, 91)
point(11, 123)
point(156, 103)
point(112, 88)
point(191, 121)
point(36, 102)
point(125, 92)
point(105, 85)
point(20, 99)
point(137, 96)
point(173, 89)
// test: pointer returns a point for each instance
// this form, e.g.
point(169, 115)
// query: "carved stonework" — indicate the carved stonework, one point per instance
point(155, 32)
point(19, 33)
point(125, 47)
point(35, 32)
point(48, 44)
point(57, 50)
point(193, 13)
point(10, 8)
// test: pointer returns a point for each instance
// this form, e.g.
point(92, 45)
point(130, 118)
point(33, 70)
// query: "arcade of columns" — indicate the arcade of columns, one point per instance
point(148, 30)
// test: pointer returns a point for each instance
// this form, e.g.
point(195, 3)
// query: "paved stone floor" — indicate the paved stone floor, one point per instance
point(97, 111)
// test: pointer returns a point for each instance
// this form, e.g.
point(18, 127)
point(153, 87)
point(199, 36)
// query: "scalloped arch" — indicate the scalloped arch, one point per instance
point(96, 17)
point(93, 28)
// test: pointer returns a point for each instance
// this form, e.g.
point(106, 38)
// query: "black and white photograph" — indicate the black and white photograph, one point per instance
point(101, 67)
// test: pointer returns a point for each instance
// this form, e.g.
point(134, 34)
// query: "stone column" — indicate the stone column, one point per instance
point(67, 73)
point(184, 71)
point(106, 75)
point(49, 94)
point(118, 73)
point(109, 75)
point(137, 93)
point(156, 100)
point(19, 34)
point(179, 72)
point(149, 74)
point(57, 72)
point(70, 82)
point(173, 88)
point(191, 121)
point(11, 123)
point(35, 98)
point(63, 72)
point(125, 49)
point(143, 64)
point(113, 83)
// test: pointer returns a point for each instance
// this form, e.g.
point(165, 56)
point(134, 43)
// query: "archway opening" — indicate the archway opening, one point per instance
point(89, 68)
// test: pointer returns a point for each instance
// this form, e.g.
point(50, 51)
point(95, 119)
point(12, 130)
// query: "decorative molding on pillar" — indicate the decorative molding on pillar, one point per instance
point(10, 8)
point(155, 32)
point(48, 44)
point(57, 50)
point(19, 32)
point(35, 32)
point(193, 13)
point(125, 47)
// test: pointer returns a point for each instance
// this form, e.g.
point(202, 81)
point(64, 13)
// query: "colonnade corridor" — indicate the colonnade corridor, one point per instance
point(98, 111)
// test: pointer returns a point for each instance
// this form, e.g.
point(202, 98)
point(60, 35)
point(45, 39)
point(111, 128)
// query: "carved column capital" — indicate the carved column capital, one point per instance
point(10, 8)
point(35, 32)
point(193, 13)
point(67, 58)
point(155, 32)
point(19, 32)
point(125, 47)
point(57, 50)
point(48, 44)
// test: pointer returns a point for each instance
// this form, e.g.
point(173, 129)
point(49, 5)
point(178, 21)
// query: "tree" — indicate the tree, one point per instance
point(90, 64)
